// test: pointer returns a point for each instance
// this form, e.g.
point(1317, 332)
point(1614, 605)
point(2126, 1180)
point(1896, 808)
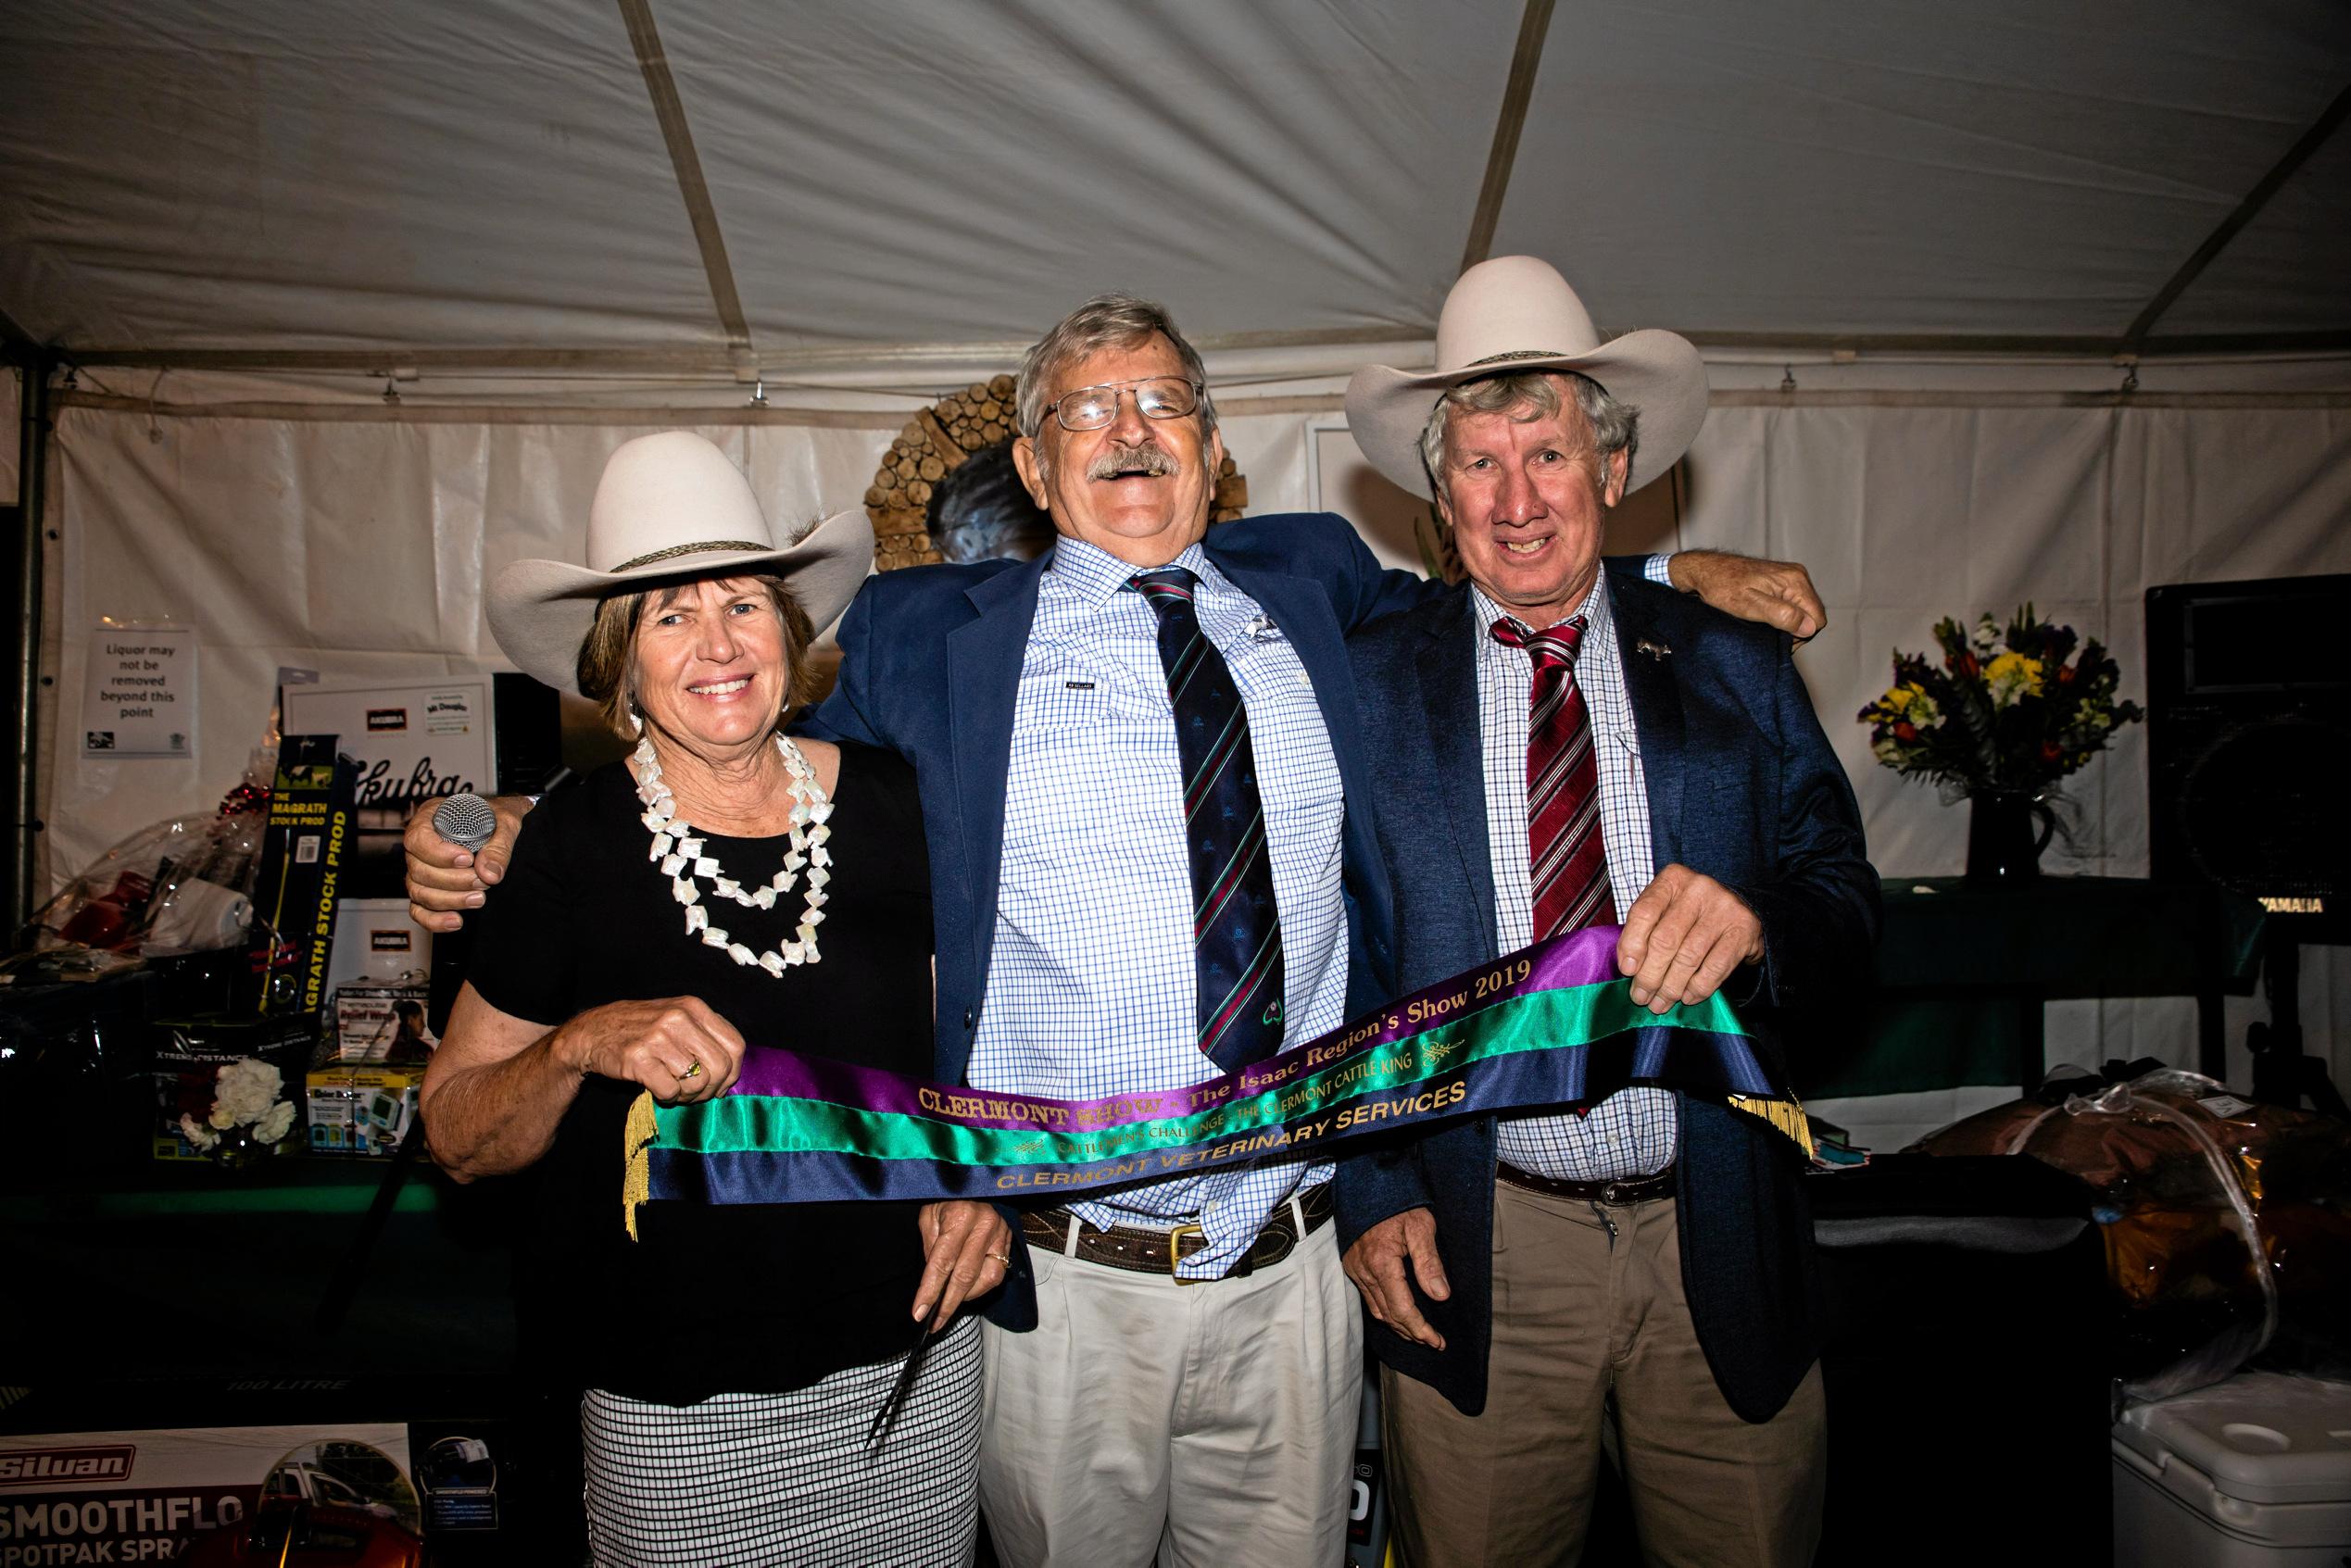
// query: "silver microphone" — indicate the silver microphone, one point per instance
point(466, 821)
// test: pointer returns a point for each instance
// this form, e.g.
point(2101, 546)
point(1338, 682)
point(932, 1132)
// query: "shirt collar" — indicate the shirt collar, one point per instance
point(1092, 574)
point(1599, 621)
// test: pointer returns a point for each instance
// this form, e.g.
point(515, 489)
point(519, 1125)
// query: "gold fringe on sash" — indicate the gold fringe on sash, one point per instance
point(636, 1182)
point(1784, 1115)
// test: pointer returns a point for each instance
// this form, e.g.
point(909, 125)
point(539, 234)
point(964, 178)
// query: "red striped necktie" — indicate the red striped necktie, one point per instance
point(1566, 858)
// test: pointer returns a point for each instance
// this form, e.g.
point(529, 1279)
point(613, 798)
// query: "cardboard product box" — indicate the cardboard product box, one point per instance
point(412, 741)
point(161, 1496)
point(306, 850)
point(300, 1471)
point(382, 1024)
point(188, 1055)
point(376, 944)
point(361, 1108)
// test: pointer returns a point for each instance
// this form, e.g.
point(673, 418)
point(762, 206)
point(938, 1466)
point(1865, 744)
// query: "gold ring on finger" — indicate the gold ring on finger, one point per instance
point(692, 1072)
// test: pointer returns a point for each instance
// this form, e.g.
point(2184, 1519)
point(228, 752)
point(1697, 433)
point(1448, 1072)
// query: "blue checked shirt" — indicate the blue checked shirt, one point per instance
point(1633, 1132)
point(1091, 979)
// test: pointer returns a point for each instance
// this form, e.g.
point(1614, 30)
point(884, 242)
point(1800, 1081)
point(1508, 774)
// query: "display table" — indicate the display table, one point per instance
point(175, 1270)
point(291, 1185)
point(1962, 973)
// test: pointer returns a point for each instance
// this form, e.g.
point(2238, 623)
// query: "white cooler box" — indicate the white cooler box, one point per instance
point(2256, 1470)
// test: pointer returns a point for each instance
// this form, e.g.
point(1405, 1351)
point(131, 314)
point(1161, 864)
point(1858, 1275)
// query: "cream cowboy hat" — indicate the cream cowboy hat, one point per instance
point(1516, 313)
point(669, 506)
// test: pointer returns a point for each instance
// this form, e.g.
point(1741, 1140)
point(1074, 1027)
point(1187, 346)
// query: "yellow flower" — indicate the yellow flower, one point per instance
point(2010, 676)
point(1896, 699)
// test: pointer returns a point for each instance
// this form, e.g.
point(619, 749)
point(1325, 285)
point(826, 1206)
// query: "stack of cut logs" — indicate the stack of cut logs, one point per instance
point(939, 440)
point(936, 442)
point(1232, 493)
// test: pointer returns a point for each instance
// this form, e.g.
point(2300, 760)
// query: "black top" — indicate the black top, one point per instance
point(714, 1300)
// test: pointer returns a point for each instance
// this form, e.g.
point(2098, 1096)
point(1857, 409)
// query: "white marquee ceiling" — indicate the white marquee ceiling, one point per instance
point(491, 176)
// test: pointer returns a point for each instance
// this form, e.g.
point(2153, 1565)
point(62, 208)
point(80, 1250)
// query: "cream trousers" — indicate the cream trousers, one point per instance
point(1196, 1425)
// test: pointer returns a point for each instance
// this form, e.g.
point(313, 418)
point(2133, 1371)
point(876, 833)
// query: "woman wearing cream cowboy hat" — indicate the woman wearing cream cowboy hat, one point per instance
point(726, 882)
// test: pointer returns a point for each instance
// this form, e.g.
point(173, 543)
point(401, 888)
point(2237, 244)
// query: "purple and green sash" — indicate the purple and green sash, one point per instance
point(1550, 1025)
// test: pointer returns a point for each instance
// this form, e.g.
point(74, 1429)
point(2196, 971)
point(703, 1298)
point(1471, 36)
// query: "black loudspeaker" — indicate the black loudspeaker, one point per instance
point(2249, 744)
point(526, 721)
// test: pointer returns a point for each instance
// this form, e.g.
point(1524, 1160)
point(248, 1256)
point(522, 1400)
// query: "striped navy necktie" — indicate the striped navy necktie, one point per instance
point(1567, 858)
point(1237, 932)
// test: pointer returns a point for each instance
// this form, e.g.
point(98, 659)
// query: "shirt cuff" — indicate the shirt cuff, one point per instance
point(1658, 570)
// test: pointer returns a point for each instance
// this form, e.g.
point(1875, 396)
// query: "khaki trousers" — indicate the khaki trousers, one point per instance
point(1200, 1425)
point(1590, 1327)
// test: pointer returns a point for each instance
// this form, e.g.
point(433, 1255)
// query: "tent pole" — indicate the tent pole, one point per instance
point(1519, 89)
point(25, 657)
point(669, 110)
point(2245, 211)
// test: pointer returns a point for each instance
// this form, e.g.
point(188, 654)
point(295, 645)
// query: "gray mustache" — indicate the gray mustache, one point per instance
point(1151, 459)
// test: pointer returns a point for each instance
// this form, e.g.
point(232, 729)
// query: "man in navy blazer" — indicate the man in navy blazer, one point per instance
point(1138, 1418)
point(1644, 1262)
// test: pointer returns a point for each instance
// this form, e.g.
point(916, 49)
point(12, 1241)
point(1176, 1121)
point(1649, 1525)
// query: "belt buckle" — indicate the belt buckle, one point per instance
point(1176, 1253)
point(1624, 1192)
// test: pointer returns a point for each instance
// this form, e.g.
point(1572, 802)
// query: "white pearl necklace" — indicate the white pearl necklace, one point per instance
point(679, 853)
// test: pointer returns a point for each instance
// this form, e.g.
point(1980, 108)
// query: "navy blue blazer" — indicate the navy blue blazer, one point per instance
point(1742, 786)
point(931, 670)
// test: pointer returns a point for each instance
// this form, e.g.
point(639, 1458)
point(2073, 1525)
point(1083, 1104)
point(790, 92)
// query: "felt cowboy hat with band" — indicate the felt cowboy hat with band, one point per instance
point(670, 506)
point(1516, 313)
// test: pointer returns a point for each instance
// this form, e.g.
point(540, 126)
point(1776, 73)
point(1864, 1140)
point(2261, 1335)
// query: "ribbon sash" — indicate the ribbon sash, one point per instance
point(1549, 1026)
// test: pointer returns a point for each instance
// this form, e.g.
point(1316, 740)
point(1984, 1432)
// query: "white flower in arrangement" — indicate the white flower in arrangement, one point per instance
point(275, 1123)
point(243, 1092)
point(200, 1137)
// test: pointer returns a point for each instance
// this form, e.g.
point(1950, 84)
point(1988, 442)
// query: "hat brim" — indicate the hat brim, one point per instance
point(1658, 373)
point(540, 610)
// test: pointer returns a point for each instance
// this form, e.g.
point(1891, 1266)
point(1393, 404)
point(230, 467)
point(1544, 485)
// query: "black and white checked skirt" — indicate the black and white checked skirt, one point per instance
point(785, 1478)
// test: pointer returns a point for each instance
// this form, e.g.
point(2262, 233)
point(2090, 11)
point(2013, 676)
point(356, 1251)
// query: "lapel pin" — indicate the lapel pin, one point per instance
point(1654, 650)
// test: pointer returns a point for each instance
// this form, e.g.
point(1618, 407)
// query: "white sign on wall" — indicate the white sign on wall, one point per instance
point(139, 695)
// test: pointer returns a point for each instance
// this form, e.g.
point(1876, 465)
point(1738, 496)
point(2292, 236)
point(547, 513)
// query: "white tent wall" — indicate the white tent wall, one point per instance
point(360, 547)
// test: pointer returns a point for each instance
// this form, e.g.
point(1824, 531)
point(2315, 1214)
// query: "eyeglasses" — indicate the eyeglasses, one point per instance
point(1156, 397)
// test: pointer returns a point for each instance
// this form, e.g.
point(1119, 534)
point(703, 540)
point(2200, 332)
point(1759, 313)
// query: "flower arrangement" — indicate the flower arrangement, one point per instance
point(249, 1116)
point(2011, 712)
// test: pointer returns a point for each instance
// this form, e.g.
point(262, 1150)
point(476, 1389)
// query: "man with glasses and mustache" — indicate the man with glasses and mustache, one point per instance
point(1156, 893)
point(1134, 755)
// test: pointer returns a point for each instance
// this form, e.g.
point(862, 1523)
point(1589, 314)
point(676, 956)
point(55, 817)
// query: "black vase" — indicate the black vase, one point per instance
point(2003, 847)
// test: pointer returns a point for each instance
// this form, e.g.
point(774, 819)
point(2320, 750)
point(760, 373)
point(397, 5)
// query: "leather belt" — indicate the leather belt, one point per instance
point(1143, 1251)
point(1640, 1189)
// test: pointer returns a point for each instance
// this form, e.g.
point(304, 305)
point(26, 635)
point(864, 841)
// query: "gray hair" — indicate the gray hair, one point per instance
point(1107, 321)
point(1615, 427)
